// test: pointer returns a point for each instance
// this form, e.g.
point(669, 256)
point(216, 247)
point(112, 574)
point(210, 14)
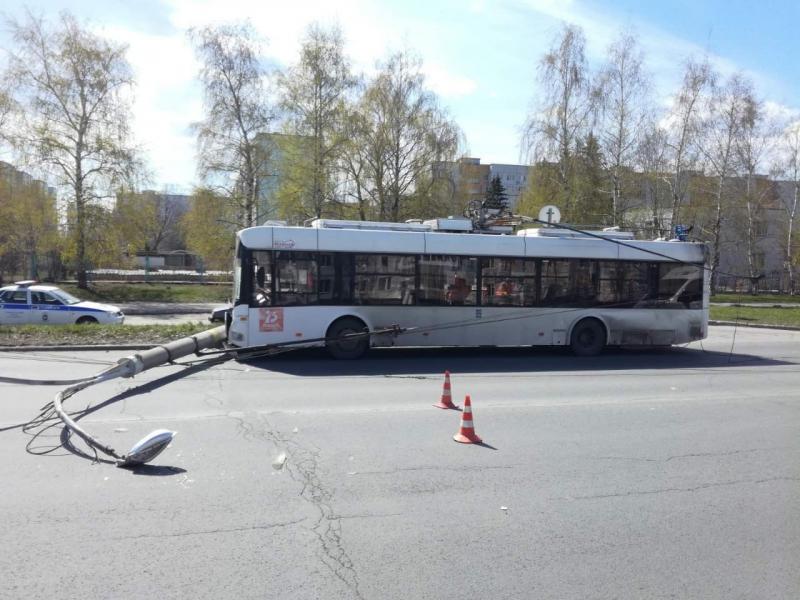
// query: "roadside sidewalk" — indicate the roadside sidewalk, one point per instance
point(168, 308)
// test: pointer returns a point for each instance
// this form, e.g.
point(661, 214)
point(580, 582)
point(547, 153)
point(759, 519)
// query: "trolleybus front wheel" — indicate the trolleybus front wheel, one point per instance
point(588, 337)
point(343, 347)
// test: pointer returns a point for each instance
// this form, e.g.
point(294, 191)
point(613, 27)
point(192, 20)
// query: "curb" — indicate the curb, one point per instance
point(165, 311)
point(106, 347)
point(754, 325)
point(109, 347)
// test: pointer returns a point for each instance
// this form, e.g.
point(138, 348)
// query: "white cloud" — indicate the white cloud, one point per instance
point(665, 53)
point(167, 99)
point(780, 112)
point(445, 83)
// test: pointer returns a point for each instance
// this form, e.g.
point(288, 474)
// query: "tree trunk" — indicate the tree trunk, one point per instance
point(789, 253)
point(750, 238)
point(717, 230)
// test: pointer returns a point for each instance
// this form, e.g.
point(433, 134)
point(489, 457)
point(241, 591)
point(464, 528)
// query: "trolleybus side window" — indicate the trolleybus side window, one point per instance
point(296, 279)
point(555, 282)
point(447, 280)
point(508, 281)
point(261, 278)
point(384, 279)
point(637, 284)
point(609, 278)
point(680, 285)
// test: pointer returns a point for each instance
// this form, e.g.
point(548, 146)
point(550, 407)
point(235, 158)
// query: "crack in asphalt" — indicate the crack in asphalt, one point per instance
point(437, 468)
point(371, 516)
point(214, 531)
point(688, 489)
point(679, 456)
point(302, 466)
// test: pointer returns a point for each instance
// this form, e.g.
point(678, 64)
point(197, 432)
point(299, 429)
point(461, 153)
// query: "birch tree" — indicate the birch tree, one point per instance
point(6, 107)
point(726, 112)
point(684, 123)
point(563, 111)
point(652, 161)
point(408, 132)
point(74, 87)
point(313, 95)
point(233, 158)
point(360, 156)
point(624, 87)
point(752, 144)
point(790, 166)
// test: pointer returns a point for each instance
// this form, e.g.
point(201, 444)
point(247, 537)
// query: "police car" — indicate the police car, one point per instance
point(26, 303)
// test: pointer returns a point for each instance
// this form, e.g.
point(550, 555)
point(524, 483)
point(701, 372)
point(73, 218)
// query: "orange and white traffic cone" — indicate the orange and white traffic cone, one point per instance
point(447, 398)
point(467, 435)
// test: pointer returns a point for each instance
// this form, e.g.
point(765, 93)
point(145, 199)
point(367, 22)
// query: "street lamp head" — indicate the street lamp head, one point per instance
point(148, 448)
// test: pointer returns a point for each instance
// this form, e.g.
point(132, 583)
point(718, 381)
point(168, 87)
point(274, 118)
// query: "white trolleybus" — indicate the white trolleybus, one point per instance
point(439, 283)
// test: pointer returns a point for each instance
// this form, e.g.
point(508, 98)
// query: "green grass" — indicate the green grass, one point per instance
point(55, 335)
point(150, 292)
point(768, 315)
point(759, 299)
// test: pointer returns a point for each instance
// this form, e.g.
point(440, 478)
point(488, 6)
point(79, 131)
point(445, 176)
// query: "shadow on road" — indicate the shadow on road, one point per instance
point(410, 361)
point(66, 438)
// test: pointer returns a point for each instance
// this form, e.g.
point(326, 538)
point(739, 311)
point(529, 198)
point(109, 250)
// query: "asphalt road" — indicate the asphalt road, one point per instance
point(662, 474)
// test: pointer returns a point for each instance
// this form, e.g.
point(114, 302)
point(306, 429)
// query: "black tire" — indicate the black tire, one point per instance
point(588, 338)
point(344, 348)
point(86, 321)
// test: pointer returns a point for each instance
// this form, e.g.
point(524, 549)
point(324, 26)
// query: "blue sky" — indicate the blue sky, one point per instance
point(479, 56)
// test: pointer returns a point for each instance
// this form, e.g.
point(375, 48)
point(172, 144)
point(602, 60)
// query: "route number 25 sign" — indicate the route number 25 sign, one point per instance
point(270, 319)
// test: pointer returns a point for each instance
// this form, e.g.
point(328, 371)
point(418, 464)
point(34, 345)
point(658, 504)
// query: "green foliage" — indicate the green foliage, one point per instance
point(209, 228)
point(113, 292)
point(591, 206)
point(101, 247)
point(28, 223)
point(36, 335)
point(237, 113)
point(72, 85)
point(755, 298)
point(543, 189)
point(768, 315)
point(313, 94)
point(496, 197)
point(135, 220)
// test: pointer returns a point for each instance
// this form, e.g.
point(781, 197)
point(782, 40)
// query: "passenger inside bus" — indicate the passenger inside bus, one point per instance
point(458, 291)
point(261, 293)
point(504, 291)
